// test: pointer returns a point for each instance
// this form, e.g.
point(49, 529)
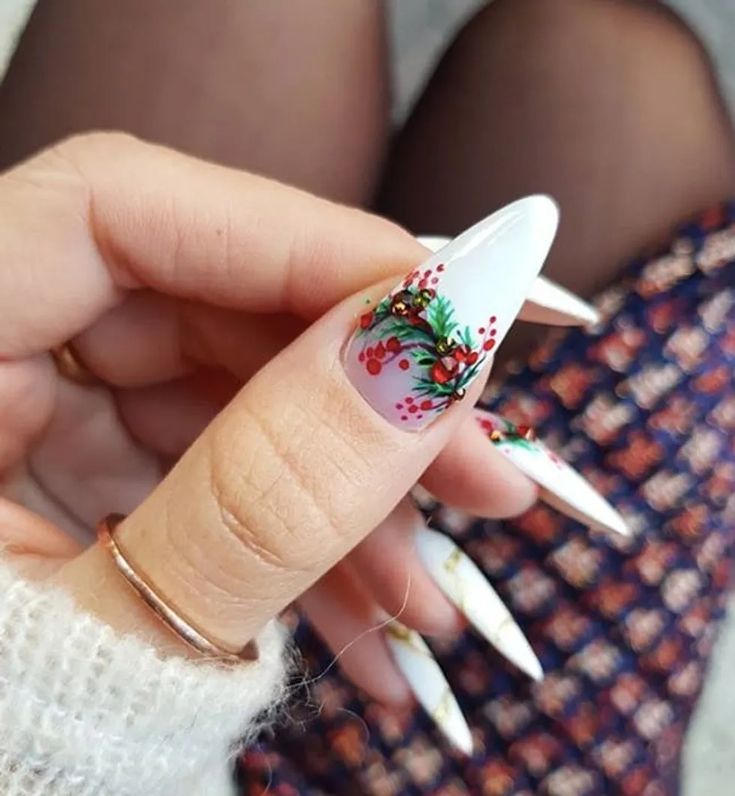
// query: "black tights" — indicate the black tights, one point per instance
point(608, 105)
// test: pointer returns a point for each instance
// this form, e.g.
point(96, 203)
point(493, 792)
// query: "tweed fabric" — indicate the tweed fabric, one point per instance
point(644, 406)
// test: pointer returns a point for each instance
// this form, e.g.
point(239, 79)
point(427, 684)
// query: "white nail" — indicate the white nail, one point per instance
point(546, 302)
point(428, 683)
point(464, 584)
point(561, 486)
point(416, 351)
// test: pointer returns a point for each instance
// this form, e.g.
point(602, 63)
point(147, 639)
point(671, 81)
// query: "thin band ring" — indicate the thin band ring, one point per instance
point(168, 614)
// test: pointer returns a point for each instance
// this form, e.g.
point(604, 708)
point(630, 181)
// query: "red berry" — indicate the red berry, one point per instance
point(379, 350)
point(427, 273)
point(399, 406)
point(493, 319)
point(472, 357)
point(373, 367)
point(426, 405)
point(369, 351)
point(493, 332)
point(413, 409)
point(439, 373)
point(366, 319)
point(440, 268)
point(361, 356)
point(488, 345)
point(409, 400)
point(403, 364)
point(486, 424)
point(393, 344)
point(404, 417)
point(422, 284)
point(481, 330)
point(434, 280)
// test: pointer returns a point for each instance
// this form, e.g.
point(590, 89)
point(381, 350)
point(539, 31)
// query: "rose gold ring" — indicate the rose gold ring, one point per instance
point(192, 636)
point(70, 366)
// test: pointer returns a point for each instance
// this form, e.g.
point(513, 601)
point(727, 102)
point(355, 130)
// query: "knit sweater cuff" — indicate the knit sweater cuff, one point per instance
point(85, 711)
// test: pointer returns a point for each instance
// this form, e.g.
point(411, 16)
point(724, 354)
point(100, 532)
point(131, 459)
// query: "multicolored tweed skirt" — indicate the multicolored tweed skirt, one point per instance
point(643, 406)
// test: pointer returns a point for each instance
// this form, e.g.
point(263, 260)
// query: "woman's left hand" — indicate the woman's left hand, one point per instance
point(175, 281)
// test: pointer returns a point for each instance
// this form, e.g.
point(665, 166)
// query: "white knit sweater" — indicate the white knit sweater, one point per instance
point(85, 712)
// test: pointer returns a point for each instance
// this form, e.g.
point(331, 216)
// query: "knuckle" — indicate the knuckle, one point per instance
point(266, 497)
point(102, 143)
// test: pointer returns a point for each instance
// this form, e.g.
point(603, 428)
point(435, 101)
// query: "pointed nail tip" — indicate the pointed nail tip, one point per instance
point(531, 667)
point(543, 211)
point(614, 522)
point(464, 742)
point(537, 675)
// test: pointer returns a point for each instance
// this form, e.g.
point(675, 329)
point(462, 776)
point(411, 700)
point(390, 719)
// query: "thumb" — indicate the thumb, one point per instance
point(325, 440)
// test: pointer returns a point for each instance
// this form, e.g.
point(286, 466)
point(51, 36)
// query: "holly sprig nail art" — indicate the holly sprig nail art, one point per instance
point(502, 432)
point(416, 325)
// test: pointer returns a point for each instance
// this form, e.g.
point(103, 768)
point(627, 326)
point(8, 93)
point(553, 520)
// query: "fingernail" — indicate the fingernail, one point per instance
point(428, 683)
point(464, 584)
point(546, 302)
point(415, 352)
point(561, 486)
point(554, 305)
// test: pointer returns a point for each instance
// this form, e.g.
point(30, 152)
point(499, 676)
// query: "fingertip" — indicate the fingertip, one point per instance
point(470, 474)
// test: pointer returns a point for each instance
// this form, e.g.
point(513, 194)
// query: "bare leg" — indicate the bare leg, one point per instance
point(295, 89)
point(608, 105)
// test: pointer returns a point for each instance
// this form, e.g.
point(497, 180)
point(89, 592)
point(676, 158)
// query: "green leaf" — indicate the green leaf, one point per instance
point(440, 315)
point(466, 337)
point(407, 332)
point(429, 387)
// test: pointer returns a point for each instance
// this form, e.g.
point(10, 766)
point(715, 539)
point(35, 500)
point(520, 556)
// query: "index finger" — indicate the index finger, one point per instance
point(99, 215)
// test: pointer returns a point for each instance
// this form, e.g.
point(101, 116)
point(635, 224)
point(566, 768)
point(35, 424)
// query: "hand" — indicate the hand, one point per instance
point(177, 281)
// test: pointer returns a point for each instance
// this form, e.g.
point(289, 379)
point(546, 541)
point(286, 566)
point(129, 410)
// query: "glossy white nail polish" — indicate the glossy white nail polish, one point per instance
point(546, 302)
point(466, 586)
point(561, 486)
point(428, 683)
point(416, 351)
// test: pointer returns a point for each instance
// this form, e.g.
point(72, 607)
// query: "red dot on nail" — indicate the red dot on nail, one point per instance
point(404, 417)
point(373, 367)
point(361, 356)
point(493, 318)
point(413, 409)
point(403, 364)
point(488, 345)
point(369, 351)
point(419, 417)
point(481, 330)
point(440, 268)
point(434, 280)
point(399, 406)
point(408, 400)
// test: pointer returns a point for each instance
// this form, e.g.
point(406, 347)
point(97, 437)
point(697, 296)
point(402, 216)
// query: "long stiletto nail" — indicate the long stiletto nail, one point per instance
point(428, 683)
point(546, 302)
point(464, 584)
point(561, 486)
point(416, 351)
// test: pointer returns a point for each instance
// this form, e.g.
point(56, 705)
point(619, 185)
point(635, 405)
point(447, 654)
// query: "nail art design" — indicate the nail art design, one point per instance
point(464, 584)
point(417, 350)
point(546, 302)
point(428, 683)
point(561, 486)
